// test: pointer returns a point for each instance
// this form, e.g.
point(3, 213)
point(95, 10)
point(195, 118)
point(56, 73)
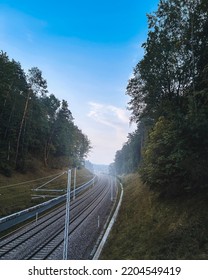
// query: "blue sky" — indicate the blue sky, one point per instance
point(86, 51)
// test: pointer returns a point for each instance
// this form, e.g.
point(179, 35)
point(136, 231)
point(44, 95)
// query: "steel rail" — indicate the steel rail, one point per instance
point(47, 217)
point(52, 220)
point(59, 242)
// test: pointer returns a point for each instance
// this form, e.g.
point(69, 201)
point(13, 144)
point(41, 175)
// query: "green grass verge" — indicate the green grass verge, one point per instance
point(151, 228)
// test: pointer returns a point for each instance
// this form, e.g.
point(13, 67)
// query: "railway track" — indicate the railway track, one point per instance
point(44, 239)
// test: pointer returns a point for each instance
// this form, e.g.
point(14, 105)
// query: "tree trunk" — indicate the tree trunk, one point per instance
point(21, 126)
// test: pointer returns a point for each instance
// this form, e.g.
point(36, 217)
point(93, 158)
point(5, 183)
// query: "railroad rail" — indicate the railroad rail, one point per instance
point(43, 239)
point(21, 216)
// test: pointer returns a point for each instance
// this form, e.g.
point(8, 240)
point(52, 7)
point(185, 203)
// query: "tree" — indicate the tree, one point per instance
point(170, 64)
point(34, 123)
point(169, 89)
point(81, 146)
point(13, 92)
point(36, 85)
point(129, 158)
point(165, 157)
point(36, 82)
point(51, 106)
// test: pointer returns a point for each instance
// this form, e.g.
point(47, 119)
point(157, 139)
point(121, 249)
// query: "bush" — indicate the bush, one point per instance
point(168, 158)
point(5, 169)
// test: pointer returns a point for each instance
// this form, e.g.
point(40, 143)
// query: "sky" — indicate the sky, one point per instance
point(86, 50)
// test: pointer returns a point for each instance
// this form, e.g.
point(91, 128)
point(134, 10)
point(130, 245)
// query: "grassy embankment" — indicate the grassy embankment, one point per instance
point(15, 195)
point(149, 227)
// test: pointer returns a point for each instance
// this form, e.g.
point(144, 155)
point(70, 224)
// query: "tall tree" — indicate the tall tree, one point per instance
point(36, 85)
point(169, 67)
point(34, 123)
point(51, 106)
point(129, 158)
point(13, 91)
point(169, 88)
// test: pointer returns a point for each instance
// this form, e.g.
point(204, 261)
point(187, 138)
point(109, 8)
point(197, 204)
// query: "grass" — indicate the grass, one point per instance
point(151, 228)
point(16, 193)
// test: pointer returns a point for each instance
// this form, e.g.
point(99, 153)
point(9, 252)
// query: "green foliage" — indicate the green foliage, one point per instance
point(169, 89)
point(5, 169)
point(164, 155)
point(176, 153)
point(34, 123)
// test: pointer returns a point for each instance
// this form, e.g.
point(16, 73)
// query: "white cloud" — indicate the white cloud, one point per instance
point(108, 128)
point(108, 115)
point(120, 113)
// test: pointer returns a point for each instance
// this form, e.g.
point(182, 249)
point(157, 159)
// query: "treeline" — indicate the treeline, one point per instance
point(34, 123)
point(128, 158)
point(169, 100)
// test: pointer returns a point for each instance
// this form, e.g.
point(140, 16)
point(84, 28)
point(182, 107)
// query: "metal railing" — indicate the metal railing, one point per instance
point(21, 216)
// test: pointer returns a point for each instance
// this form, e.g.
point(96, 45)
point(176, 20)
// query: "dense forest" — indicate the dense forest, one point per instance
point(169, 102)
point(34, 124)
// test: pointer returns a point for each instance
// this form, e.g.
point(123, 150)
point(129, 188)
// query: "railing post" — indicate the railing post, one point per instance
point(36, 217)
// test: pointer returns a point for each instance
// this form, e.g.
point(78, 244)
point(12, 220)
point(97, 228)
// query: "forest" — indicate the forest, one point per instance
point(169, 102)
point(34, 124)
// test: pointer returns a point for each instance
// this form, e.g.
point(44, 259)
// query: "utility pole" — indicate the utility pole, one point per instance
point(66, 231)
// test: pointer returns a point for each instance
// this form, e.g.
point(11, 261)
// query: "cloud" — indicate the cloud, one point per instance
point(108, 127)
point(108, 115)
